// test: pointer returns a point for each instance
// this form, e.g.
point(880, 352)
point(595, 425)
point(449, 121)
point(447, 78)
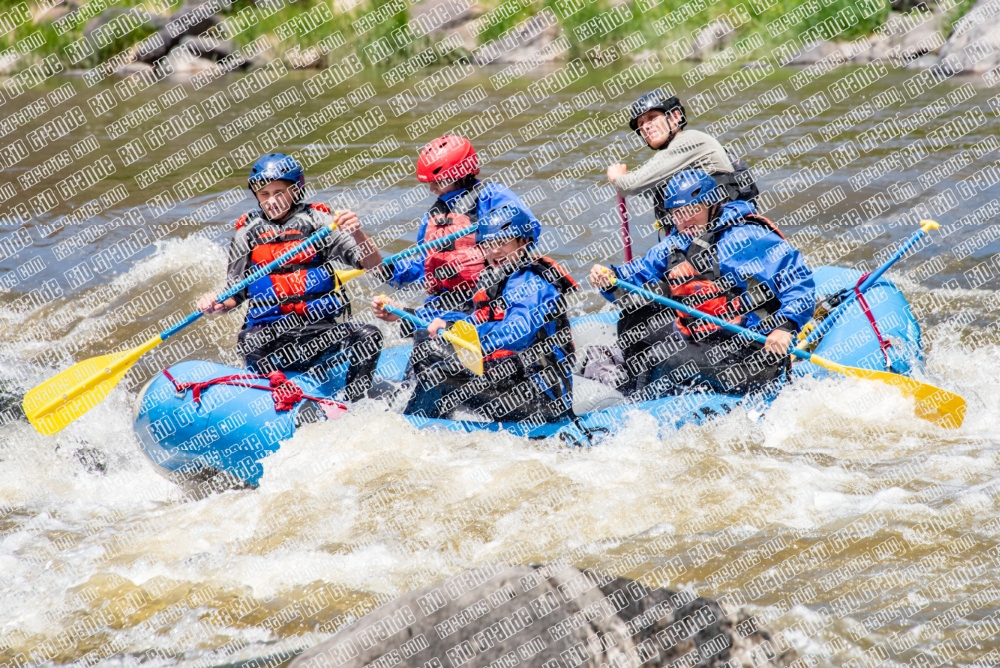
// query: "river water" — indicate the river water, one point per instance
point(883, 527)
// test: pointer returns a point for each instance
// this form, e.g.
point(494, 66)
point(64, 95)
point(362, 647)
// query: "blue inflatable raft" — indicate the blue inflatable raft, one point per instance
point(220, 440)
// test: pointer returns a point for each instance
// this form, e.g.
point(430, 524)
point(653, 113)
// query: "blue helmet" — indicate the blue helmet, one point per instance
point(507, 222)
point(692, 186)
point(276, 167)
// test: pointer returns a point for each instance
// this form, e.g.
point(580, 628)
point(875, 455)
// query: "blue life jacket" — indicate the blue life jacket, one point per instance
point(741, 270)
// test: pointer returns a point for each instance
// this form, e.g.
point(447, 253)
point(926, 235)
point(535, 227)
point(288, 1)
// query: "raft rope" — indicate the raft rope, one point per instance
point(285, 393)
point(883, 343)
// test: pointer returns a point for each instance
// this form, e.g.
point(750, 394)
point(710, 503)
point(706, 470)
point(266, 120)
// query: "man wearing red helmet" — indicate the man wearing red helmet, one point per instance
point(449, 166)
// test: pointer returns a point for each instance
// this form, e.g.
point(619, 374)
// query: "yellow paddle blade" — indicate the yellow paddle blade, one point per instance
point(945, 408)
point(345, 275)
point(465, 339)
point(51, 406)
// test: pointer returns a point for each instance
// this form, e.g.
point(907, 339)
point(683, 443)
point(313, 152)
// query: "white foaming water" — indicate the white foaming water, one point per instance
point(376, 507)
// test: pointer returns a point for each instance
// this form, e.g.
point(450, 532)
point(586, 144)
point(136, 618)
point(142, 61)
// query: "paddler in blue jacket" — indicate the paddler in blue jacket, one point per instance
point(449, 165)
point(519, 311)
point(297, 318)
point(723, 258)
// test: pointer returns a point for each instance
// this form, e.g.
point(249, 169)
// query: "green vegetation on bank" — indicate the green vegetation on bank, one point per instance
point(318, 33)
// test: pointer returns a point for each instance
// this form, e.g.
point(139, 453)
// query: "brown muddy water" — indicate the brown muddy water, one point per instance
point(866, 532)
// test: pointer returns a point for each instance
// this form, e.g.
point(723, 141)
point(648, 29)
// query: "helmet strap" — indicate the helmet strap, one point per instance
point(670, 138)
point(714, 213)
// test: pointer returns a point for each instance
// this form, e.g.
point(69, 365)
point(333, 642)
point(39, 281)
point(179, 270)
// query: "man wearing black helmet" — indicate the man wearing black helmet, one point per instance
point(660, 120)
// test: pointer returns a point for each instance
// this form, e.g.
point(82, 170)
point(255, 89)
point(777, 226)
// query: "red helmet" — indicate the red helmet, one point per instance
point(447, 158)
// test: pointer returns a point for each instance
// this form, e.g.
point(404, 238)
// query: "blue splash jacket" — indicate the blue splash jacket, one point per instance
point(529, 300)
point(745, 251)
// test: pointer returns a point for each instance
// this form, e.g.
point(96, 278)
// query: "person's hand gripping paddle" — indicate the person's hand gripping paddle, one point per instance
point(941, 406)
point(462, 336)
point(54, 404)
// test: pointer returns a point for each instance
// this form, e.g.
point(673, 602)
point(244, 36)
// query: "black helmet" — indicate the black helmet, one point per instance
point(656, 99)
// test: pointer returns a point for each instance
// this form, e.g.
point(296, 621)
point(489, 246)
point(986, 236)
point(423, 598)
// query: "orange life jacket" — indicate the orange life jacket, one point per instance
point(302, 285)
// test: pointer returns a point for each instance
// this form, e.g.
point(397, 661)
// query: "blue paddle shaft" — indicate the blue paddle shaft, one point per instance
point(877, 274)
point(677, 306)
point(281, 259)
point(867, 283)
point(405, 315)
point(263, 271)
point(426, 246)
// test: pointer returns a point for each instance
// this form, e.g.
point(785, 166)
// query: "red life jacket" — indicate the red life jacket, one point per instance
point(489, 306)
point(694, 278)
point(457, 265)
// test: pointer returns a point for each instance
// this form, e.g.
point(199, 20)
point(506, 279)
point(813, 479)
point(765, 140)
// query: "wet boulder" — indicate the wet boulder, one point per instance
point(541, 616)
point(975, 41)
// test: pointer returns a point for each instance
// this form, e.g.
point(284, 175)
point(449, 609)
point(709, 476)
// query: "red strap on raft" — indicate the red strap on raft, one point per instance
point(284, 392)
point(883, 343)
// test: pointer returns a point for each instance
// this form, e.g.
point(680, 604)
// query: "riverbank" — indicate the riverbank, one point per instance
point(198, 34)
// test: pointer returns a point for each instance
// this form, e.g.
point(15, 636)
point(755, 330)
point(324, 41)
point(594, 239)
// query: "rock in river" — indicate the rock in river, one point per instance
point(544, 616)
point(975, 40)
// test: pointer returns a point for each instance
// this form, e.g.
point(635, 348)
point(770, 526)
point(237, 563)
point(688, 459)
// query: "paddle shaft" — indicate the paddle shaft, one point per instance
point(677, 306)
point(406, 315)
point(345, 275)
point(420, 322)
point(429, 245)
point(831, 318)
point(128, 360)
point(319, 235)
point(626, 237)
